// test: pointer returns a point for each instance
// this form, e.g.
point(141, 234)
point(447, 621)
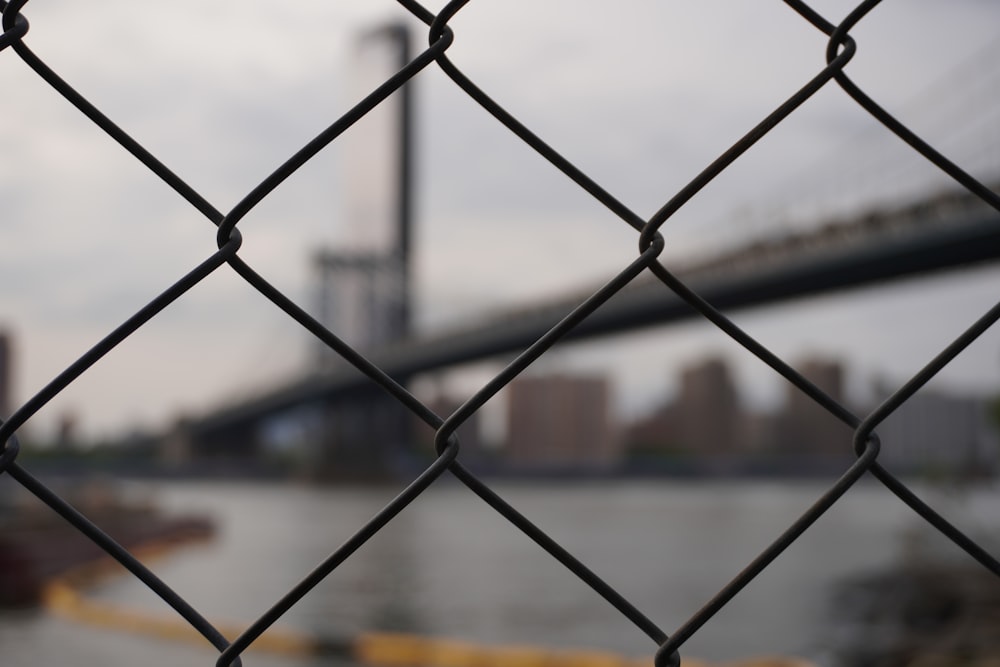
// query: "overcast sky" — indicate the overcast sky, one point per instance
point(640, 95)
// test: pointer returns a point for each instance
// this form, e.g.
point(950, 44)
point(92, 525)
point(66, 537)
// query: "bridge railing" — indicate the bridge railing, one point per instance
point(650, 234)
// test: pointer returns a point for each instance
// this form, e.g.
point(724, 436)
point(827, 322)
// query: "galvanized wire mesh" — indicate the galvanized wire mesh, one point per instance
point(650, 231)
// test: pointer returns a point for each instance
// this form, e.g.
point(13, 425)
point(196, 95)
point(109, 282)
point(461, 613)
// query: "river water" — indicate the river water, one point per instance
point(449, 566)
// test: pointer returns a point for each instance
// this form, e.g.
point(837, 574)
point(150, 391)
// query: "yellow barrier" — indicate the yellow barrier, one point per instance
point(62, 596)
point(402, 650)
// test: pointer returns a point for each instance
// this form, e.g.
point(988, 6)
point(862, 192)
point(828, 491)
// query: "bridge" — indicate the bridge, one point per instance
point(945, 231)
point(366, 302)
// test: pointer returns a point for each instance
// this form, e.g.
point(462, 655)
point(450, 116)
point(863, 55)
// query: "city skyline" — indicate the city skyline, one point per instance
point(564, 423)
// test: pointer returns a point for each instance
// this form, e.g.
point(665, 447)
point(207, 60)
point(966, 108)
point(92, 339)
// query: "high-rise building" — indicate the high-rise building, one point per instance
point(708, 410)
point(561, 422)
point(940, 433)
point(804, 429)
point(704, 420)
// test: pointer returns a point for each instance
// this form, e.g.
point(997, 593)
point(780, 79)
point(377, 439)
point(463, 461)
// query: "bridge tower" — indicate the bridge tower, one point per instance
point(364, 286)
point(364, 293)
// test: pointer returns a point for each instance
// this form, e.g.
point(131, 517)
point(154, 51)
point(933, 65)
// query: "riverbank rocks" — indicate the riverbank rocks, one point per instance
point(928, 615)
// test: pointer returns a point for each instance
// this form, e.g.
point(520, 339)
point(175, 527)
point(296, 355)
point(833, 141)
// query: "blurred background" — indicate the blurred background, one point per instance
point(443, 250)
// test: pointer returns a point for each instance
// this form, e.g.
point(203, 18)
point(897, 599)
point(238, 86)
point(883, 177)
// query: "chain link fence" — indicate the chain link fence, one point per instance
point(449, 461)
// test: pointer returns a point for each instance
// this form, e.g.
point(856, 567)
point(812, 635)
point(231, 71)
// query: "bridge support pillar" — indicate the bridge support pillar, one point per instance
point(365, 435)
